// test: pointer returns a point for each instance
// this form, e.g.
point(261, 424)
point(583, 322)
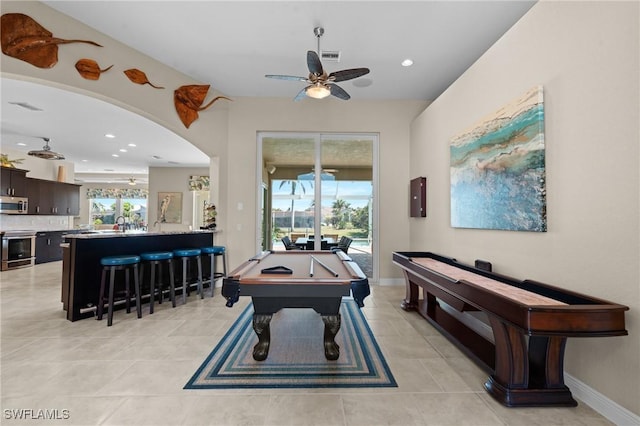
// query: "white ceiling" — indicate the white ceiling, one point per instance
point(232, 45)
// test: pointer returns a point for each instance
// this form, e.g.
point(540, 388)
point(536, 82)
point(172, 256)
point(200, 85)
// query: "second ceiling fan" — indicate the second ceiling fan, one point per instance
point(321, 84)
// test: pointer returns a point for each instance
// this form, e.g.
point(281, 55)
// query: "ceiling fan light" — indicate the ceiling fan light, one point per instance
point(318, 91)
point(46, 153)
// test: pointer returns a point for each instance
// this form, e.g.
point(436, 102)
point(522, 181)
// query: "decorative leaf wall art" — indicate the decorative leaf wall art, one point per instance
point(21, 37)
point(188, 101)
point(138, 77)
point(89, 69)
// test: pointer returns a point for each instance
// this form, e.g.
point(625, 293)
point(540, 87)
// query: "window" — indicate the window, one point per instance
point(107, 205)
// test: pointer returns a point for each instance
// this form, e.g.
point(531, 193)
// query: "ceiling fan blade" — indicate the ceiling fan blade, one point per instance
point(313, 62)
point(301, 95)
point(339, 92)
point(348, 74)
point(286, 77)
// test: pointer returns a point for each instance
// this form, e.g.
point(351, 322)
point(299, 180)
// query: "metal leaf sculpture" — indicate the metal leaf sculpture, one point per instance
point(188, 101)
point(23, 38)
point(139, 77)
point(89, 69)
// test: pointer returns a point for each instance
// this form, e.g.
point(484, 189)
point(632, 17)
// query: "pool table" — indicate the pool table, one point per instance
point(296, 279)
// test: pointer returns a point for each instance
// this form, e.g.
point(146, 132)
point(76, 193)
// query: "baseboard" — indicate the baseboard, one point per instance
point(600, 403)
point(391, 281)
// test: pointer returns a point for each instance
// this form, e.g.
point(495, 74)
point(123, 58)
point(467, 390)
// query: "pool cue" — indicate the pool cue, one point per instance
point(334, 273)
point(311, 267)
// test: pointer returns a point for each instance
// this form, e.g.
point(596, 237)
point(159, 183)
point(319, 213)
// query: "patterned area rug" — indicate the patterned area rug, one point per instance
point(296, 354)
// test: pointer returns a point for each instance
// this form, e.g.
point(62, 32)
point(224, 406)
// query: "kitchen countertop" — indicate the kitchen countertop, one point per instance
point(84, 235)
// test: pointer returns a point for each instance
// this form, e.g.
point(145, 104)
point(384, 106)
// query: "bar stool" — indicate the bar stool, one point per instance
point(185, 255)
point(155, 261)
point(111, 264)
point(213, 252)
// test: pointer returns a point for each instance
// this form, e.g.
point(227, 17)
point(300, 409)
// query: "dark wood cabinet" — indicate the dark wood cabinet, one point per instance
point(418, 203)
point(48, 246)
point(48, 197)
point(40, 195)
point(73, 199)
point(13, 182)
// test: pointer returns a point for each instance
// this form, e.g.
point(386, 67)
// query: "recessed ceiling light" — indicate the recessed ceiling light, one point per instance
point(84, 161)
point(123, 150)
point(115, 155)
point(132, 144)
point(110, 136)
point(407, 62)
point(21, 144)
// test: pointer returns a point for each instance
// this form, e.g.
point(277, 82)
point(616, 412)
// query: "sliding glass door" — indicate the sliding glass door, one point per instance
point(318, 189)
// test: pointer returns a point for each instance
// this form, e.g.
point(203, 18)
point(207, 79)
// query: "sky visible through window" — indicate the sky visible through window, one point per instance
point(356, 193)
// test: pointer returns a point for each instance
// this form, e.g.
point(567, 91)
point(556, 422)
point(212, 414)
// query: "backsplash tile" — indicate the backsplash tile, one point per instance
point(12, 222)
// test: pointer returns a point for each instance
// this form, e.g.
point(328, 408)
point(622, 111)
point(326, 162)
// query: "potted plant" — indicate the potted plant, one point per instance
point(5, 162)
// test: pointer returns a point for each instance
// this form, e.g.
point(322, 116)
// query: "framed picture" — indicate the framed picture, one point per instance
point(198, 183)
point(498, 169)
point(170, 207)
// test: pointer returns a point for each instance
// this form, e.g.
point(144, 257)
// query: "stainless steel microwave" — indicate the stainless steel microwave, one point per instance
point(13, 205)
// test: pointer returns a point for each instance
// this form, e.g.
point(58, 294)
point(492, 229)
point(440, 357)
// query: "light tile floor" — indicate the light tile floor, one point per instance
point(133, 372)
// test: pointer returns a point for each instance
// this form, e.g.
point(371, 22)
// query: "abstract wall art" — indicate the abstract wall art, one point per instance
point(498, 169)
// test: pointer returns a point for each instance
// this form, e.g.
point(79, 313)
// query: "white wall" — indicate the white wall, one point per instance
point(208, 133)
point(247, 116)
point(230, 138)
point(39, 168)
point(113, 87)
point(585, 55)
point(172, 179)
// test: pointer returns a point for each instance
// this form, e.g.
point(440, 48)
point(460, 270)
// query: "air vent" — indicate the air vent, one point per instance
point(26, 105)
point(330, 55)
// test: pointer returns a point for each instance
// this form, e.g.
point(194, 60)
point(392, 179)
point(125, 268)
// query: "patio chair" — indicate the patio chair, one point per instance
point(288, 245)
point(344, 244)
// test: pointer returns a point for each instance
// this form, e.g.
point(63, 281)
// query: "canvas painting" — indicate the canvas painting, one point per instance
point(498, 169)
point(170, 207)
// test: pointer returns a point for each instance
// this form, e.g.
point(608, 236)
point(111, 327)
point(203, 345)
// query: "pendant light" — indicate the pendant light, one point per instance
point(46, 152)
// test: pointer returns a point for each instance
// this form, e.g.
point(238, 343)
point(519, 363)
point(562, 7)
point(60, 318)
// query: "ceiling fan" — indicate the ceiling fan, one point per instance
point(46, 152)
point(325, 174)
point(321, 84)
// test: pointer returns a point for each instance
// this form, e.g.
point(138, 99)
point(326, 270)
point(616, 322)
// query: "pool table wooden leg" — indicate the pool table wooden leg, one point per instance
point(261, 327)
point(331, 328)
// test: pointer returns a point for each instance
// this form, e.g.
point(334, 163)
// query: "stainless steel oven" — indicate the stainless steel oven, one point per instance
point(18, 249)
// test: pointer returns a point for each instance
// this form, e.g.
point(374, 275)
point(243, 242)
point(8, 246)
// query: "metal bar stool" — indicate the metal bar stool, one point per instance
point(155, 261)
point(111, 264)
point(213, 252)
point(185, 255)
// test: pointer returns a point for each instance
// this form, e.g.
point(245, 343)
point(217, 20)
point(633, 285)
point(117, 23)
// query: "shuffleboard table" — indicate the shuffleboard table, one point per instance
point(530, 322)
point(296, 279)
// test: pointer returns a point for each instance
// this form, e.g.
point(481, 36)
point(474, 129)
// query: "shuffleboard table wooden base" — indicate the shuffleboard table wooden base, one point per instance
point(530, 321)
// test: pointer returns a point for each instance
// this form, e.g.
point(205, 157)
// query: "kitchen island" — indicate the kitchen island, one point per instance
point(83, 251)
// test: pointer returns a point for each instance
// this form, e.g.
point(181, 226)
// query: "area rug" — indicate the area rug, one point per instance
point(296, 354)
